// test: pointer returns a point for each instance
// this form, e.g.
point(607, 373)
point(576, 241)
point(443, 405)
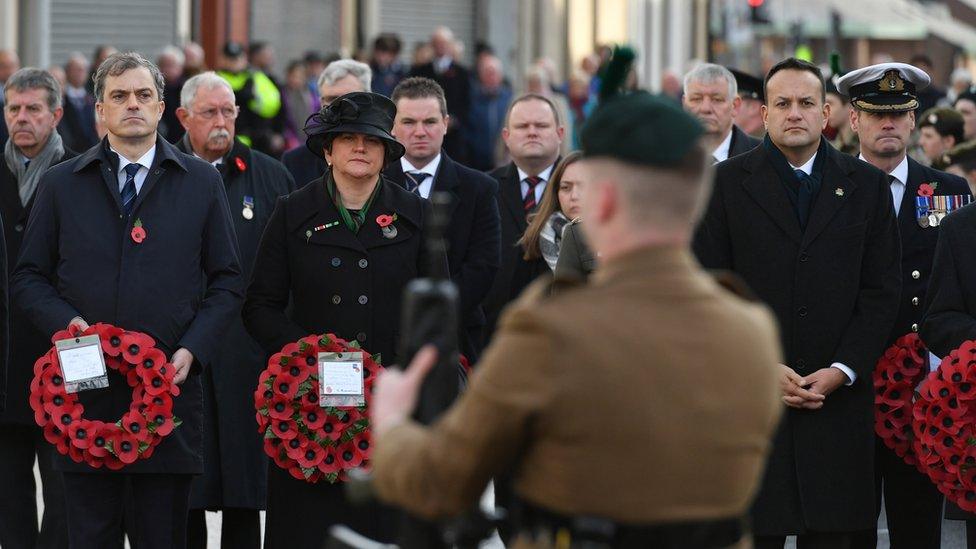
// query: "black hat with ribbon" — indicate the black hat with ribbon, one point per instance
point(357, 112)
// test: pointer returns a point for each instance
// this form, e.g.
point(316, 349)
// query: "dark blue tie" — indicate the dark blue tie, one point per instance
point(129, 189)
point(804, 196)
point(415, 180)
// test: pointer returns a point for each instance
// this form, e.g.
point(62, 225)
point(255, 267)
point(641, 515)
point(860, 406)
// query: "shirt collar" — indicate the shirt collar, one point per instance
point(807, 168)
point(900, 172)
point(543, 175)
point(145, 161)
point(722, 151)
point(216, 163)
point(430, 168)
point(75, 93)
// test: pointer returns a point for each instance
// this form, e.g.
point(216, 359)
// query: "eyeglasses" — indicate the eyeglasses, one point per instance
point(228, 113)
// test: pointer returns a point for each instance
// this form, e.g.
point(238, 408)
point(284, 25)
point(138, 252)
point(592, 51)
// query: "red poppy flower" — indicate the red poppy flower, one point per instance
point(63, 416)
point(295, 447)
point(43, 363)
point(262, 396)
point(331, 430)
point(136, 346)
point(75, 454)
point(330, 462)
point(239, 162)
point(263, 422)
point(312, 455)
point(280, 408)
point(138, 234)
point(885, 428)
point(291, 349)
point(284, 428)
point(895, 395)
point(362, 442)
point(153, 381)
point(299, 368)
point(161, 419)
point(925, 190)
point(93, 462)
point(314, 419)
point(80, 433)
point(113, 463)
point(53, 382)
point(111, 340)
point(384, 220)
point(135, 424)
point(311, 398)
point(271, 446)
point(285, 386)
point(125, 446)
point(348, 455)
point(53, 433)
point(281, 459)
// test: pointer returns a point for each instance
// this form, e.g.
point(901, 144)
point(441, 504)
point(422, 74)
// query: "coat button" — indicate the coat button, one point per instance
point(19, 227)
point(914, 301)
point(804, 258)
point(361, 337)
point(914, 327)
point(363, 263)
point(916, 275)
point(802, 311)
point(336, 299)
point(363, 299)
point(800, 363)
point(336, 262)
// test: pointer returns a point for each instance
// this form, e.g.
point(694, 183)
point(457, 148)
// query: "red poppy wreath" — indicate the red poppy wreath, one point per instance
point(902, 367)
point(945, 426)
point(308, 440)
point(137, 433)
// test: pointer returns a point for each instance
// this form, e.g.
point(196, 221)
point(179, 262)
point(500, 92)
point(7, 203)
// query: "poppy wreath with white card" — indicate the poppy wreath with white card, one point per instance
point(141, 428)
point(304, 433)
point(899, 370)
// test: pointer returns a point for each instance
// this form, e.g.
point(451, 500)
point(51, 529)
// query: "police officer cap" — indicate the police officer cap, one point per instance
point(945, 121)
point(886, 87)
point(357, 112)
point(637, 127)
point(233, 50)
point(749, 86)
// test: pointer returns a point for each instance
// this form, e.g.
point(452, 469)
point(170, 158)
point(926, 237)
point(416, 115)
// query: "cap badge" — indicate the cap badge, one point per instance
point(891, 81)
point(933, 119)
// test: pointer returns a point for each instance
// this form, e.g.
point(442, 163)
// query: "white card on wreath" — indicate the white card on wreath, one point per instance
point(341, 374)
point(82, 363)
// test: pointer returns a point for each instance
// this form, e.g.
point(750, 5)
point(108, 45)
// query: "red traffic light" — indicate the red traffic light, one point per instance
point(755, 3)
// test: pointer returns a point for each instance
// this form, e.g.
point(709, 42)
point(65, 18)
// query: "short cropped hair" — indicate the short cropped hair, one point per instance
point(418, 87)
point(708, 73)
point(792, 63)
point(118, 63)
point(339, 69)
point(533, 97)
point(207, 80)
point(30, 78)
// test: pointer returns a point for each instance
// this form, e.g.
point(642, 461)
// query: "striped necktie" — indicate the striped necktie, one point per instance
point(528, 201)
point(129, 189)
point(415, 180)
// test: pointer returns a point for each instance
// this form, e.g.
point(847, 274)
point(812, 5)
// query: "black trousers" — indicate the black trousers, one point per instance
point(96, 503)
point(18, 494)
point(810, 540)
point(239, 529)
point(912, 503)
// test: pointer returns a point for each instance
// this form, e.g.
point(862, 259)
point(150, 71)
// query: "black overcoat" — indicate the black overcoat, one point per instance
point(77, 126)
point(235, 465)
point(313, 275)
point(473, 239)
point(303, 165)
point(27, 344)
point(834, 290)
point(741, 142)
point(950, 310)
point(918, 245)
point(514, 272)
point(181, 285)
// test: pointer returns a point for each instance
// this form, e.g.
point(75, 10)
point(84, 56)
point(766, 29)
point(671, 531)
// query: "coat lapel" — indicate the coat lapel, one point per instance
point(511, 192)
point(835, 190)
point(316, 221)
point(765, 188)
point(166, 154)
point(446, 180)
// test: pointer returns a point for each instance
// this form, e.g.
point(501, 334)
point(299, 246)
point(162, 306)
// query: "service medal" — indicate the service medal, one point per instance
point(923, 221)
point(933, 220)
point(247, 213)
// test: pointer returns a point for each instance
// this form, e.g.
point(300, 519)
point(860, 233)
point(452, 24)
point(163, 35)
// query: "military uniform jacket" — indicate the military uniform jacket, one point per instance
point(181, 285)
point(27, 344)
point(665, 417)
point(236, 465)
point(950, 311)
point(918, 245)
point(473, 236)
point(337, 281)
point(834, 290)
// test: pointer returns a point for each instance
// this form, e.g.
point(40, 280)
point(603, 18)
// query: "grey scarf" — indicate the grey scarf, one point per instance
point(28, 176)
point(551, 236)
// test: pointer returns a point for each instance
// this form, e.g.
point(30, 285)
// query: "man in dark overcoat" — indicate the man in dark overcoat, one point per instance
point(884, 100)
point(33, 109)
point(813, 233)
point(473, 234)
point(235, 466)
point(178, 280)
point(711, 94)
point(533, 135)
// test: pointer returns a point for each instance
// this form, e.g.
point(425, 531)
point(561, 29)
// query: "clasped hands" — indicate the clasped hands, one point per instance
point(182, 359)
point(810, 392)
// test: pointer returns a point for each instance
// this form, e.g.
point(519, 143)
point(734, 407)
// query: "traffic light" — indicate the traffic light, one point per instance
point(757, 12)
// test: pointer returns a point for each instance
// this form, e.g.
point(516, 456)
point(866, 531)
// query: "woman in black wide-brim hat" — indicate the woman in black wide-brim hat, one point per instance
point(331, 260)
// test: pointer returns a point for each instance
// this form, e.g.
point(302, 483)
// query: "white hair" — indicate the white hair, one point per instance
point(961, 74)
point(174, 52)
point(341, 68)
point(706, 73)
point(208, 80)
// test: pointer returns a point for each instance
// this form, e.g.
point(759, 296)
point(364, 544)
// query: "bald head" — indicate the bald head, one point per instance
point(9, 64)
point(442, 40)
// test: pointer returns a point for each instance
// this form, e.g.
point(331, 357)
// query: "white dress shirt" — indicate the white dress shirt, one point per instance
point(898, 184)
point(721, 153)
point(145, 161)
point(540, 188)
point(430, 168)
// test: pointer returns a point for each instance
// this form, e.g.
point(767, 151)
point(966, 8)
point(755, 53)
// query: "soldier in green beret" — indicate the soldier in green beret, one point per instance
point(633, 411)
point(961, 161)
point(940, 129)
